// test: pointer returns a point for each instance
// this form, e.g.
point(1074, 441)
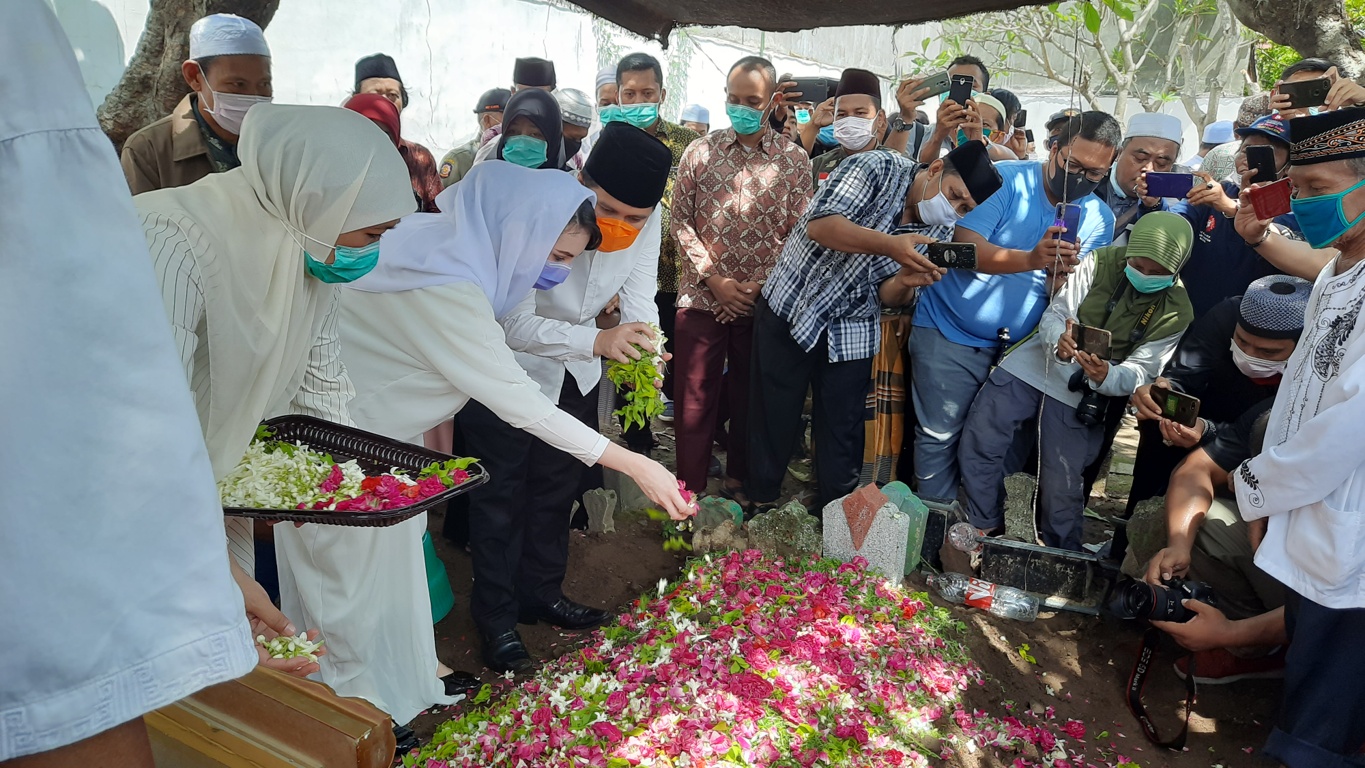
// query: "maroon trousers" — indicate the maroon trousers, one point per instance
point(702, 347)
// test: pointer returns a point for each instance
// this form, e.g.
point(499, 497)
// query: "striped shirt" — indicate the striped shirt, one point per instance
point(819, 290)
point(326, 390)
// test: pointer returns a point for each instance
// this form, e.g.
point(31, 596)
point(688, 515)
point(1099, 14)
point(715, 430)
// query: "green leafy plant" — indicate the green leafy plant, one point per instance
point(635, 381)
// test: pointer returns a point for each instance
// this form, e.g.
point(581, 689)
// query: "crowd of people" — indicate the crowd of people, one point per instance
point(309, 259)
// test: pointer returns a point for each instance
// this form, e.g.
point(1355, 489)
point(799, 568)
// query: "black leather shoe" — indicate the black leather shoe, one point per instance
point(460, 682)
point(506, 653)
point(565, 614)
point(406, 741)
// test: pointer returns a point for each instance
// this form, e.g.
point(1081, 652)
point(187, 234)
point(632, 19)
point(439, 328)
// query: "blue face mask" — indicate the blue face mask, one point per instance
point(1148, 283)
point(526, 151)
point(349, 264)
point(826, 135)
point(747, 121)
point(553, 274)
point(641, 116)
point(1321, 218)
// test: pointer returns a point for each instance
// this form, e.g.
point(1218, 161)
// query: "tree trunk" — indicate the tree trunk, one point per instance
point(152, 84)
point(1312, 27)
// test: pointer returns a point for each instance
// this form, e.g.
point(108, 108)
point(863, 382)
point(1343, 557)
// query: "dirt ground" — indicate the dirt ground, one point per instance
point(1082, 666)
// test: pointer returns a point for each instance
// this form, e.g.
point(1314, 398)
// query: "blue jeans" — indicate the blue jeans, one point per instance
point(945, 378)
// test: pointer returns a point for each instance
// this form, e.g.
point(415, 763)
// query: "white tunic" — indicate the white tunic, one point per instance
point(115, 593)
point(1310, 478)
point(554, 331)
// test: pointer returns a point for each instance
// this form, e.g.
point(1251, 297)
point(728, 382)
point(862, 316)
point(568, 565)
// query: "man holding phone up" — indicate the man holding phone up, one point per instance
point(954, 341)
point(858, 246)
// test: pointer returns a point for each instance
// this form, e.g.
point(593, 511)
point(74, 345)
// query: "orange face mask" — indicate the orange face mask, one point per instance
point(616, 234)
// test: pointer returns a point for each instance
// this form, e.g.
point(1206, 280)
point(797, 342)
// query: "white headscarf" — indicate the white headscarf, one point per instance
point(496, 229)
point(322, 171)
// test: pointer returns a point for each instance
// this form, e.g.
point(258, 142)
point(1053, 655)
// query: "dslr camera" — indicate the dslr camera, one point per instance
point(1139, 600)
point(1090, 411)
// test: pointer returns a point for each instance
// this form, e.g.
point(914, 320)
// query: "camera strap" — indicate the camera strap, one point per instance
point(1138, 680)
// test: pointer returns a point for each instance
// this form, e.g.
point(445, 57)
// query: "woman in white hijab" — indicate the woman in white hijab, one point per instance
point(245, 260)
point(421, 339)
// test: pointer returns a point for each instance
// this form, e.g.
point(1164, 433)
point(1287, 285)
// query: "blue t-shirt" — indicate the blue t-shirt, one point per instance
point(969, 308)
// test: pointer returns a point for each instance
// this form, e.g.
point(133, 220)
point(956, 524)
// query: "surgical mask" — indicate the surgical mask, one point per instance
point(639, 115)
point(1067, 187)
point(1255, 367)
point(1114, 183)
point(1148, 283)
point(937, 211)
point(962, 135)
point(526, 151)
point(854, 133)
point(551, 275)
point(745, 120)
point(348, 264)
point(1322, 219)
point(229, 109)
point(616, 234)
point(826, 136)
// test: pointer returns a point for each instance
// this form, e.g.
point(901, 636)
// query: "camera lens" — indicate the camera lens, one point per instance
point(1140, 600)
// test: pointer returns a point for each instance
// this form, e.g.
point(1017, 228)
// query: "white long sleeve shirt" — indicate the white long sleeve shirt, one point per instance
point(554, 331)
point(1309, 481)
point(1035, 361)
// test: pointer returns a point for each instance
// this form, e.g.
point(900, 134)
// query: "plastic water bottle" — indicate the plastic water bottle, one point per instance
point(1005, 602)
point(964, 537)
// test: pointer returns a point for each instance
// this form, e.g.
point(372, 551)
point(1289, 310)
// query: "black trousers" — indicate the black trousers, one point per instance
point(519, 521)
point(781, 373)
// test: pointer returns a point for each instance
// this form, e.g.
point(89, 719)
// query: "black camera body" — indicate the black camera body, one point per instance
point(1140, 600)
point(1091, 409)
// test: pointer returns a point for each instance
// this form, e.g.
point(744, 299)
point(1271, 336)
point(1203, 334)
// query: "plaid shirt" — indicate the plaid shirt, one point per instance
point(818, 289)
point(733, 208)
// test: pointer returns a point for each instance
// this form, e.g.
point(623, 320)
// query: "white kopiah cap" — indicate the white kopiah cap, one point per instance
point(224, 34)
point(574, 106)
point(1155, 125)
point(696, 113)
point(1219, 132)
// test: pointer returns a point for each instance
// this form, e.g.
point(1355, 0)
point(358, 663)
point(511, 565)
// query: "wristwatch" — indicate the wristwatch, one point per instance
point(900, 126)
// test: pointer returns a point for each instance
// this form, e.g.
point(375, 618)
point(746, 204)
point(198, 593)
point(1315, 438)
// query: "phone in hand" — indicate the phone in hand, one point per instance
point(1021, 119)
point(1270, 200)
point(813, 90)
point(1306, 93)
point(1261, 159)
point(1179, 407)
point(1069, 216)
point(960, 90)
point(952, 255)
point(1092, 340)
point(936, 84)
point(1175, 185)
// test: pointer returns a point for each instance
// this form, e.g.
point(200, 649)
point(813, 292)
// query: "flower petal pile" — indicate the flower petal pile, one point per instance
point(745, 661)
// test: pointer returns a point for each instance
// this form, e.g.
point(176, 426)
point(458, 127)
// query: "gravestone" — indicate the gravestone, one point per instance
point(789, 532)
point(854, 527)
point(600, 504)
point(720, 538)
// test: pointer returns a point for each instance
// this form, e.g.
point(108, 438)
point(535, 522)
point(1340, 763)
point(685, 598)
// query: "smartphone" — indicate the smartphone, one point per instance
point(813, 90)
point(1069, 216)
point(1095, 341)
point(1270, 200)
point(1306, 93)
point(1021, 119)
point(1261, 159)
point(952, 255)
point(933, 86)
point(961, 88)
point(1179, 407)
point(1175, 185)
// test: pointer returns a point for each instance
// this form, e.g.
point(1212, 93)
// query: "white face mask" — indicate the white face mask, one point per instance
point(1255, 367)
point(853, 133)
point(229, 109)
point(937, 211)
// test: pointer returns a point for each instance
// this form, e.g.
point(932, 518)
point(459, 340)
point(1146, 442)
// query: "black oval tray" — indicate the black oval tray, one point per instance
point(375, 454)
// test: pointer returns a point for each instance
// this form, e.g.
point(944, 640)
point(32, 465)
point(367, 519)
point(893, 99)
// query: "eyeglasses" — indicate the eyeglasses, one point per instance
point(1091, 174)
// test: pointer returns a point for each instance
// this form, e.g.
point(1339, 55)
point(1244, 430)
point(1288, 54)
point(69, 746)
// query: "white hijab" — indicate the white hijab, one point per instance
point(496, 229)
point(322, 171)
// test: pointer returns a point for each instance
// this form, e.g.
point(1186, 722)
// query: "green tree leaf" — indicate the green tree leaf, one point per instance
point(1092, 19)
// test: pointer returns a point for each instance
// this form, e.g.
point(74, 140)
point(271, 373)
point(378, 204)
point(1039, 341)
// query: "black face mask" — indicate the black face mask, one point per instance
point(1064, 186)
point(571, 147)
